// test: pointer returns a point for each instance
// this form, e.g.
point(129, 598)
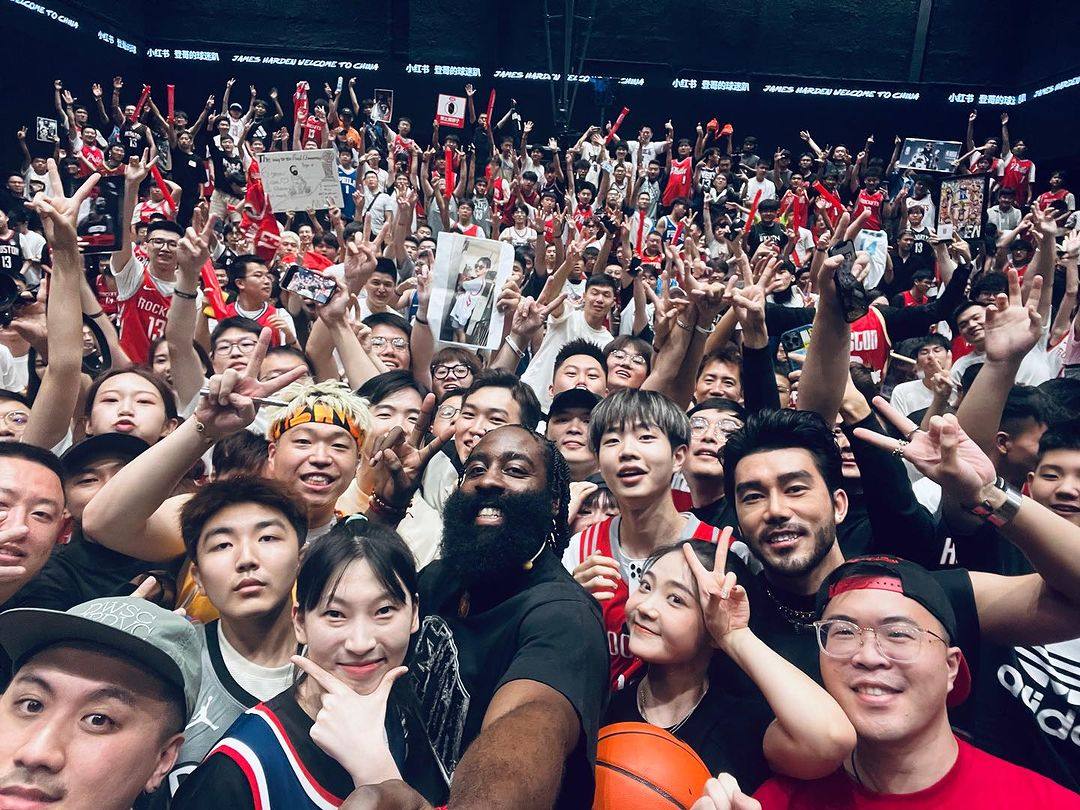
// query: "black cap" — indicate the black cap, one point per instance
point(107, 445)
point(573, 398)
point(909, 579)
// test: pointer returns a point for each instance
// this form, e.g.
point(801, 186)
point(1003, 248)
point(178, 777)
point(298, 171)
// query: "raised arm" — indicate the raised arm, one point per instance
point(134, 513)
point(811, 735)
point(824, 377)
point(1037, 608)
point(54, 405)
point(1006, 144)
point(187, 369)
point(134, 174)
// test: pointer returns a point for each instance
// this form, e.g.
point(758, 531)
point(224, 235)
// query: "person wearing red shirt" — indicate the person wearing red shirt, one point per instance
point(887, 652)
point(641, 440)
point(1057, 192)
point(1016, 171)
point(921, 280)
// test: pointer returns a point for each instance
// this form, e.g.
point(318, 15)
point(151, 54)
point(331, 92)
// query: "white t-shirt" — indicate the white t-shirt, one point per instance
point(570, 325)
point(911, 396)
point(1038, 365)
point(262, 682)
point(766, 186)
point(13, 370)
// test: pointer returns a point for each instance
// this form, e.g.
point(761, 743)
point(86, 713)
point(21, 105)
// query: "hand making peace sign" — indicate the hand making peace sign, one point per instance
point(230, 405)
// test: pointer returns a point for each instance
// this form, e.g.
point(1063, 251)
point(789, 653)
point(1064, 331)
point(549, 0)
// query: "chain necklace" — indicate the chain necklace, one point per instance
point(795, 616)
point(643, 689)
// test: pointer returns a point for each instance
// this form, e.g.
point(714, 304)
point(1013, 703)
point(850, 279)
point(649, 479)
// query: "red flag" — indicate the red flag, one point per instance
point(142, 100)
point(300, 102)
point(618, 123)
point(212, 291)
point(753, 212)
point(257, 221)
point(449, 157)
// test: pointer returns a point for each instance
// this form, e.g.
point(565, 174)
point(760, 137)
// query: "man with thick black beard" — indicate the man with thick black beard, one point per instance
point(510, 663)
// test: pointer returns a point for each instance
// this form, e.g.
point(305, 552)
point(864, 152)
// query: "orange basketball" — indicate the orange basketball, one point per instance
point(644, 767)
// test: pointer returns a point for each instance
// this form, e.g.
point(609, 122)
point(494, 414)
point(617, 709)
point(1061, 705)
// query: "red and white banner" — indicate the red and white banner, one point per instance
point(450, 111)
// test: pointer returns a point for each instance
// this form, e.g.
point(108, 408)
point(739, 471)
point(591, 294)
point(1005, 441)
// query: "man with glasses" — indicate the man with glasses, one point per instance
point(627, 361)
point(888, 656)
point(254, 286)
point(452, 368)
point(14, 414)
point(783, 473)
point(143, 291)
point(711, 422)
point(389, 339)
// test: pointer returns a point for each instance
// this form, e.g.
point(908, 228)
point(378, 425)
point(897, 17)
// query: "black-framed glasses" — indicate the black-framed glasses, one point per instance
point(699, 426)
point(898, 641)
point(625, 357)
point(397, 343)
point(224, 348)
point(459, 370)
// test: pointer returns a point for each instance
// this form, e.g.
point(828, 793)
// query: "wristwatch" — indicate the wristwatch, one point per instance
point(1005, 511)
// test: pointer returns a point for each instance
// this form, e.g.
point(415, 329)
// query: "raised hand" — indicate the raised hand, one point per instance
point(273, 92)
point(972, 116)
point(1013, 326)
point(724, 604)
point(230, 404)
point(95, 90)
point(398, 461)
point(138, 167)
point(509, 297)
point(530, 315)
point(193, 250)
point(1004, 118)
point(351, 727)
point(60, 214)
point(230, 82)
point(944, 453)
point(470, 90)
point(360, 261)
point(118, 82)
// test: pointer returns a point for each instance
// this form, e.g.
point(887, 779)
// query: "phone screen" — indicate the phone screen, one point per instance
point(309, 284)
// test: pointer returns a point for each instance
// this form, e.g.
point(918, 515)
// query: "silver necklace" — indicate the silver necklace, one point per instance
point(643, 687)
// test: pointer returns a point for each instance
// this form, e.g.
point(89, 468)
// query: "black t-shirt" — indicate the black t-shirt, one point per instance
point(921, 257)
point(229, 175)
point(537, 625)
point(725, 730)
point(188, 172)
point(83, 570)
point(1025, 701)
point(133, 137)
point(766, 232)
point(263, 127)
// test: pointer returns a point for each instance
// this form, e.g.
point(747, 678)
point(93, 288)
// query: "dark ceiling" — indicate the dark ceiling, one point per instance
point(981, 42)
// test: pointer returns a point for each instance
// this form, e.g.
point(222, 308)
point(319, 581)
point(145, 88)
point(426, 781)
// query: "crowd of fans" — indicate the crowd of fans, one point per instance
point(261, 550)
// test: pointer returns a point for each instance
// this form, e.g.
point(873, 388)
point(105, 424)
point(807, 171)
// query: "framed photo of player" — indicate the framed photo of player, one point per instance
point(926, 155)
point(962, 206)
point(46, 129)
point(469, 275)
point(98, 227)
point(384, 106)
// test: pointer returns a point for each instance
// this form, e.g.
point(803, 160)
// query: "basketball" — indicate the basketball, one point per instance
point(645, 767)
